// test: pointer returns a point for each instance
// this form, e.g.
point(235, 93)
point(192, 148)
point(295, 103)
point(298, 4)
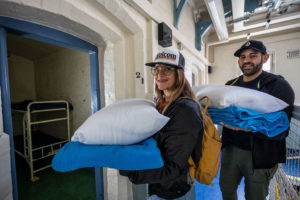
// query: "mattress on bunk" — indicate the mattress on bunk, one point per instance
point(39, 139)
point(140, 156)
point(38, 106)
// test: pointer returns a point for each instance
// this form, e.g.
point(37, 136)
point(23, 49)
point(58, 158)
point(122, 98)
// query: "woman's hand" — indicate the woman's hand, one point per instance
point(234, 128)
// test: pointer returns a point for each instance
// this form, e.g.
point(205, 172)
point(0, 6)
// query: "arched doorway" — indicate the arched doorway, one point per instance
point(55, 37)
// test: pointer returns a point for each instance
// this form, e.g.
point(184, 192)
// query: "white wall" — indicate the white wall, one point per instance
point(128, 39)
point(22, 86)
point(60, 76)
point(225, 64)
point(288, 68)
point(186, 23)
point(163, 12)
point(1, 120)
point(22, 79)
point(66, 75)
point(5, 171)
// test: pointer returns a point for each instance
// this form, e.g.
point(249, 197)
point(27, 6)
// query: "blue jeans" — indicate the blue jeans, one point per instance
point(190, 195)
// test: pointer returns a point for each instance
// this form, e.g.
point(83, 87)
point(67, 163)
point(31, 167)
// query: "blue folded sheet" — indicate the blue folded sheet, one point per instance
point(75, 155)
point(270, 124)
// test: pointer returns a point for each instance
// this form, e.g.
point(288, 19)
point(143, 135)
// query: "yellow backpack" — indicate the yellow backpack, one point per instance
point(208, 166)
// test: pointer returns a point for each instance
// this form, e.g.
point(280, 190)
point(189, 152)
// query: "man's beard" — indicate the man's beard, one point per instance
point(254, 70)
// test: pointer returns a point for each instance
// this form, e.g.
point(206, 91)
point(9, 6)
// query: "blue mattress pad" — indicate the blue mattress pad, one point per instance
point(75, 155)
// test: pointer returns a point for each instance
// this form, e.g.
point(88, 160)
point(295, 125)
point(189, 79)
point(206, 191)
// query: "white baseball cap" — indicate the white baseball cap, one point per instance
point(168, 56)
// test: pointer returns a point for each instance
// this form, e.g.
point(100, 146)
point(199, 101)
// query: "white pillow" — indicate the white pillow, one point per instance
point(222, 96)
point(122, 123)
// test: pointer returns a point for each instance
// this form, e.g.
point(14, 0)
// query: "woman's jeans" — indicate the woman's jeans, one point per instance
point(190, 195)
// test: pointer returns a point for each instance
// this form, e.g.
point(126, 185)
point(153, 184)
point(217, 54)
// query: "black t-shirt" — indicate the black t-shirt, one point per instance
point(241, 139)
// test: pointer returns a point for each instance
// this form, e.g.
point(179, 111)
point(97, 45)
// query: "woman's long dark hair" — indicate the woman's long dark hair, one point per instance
point(181, 88)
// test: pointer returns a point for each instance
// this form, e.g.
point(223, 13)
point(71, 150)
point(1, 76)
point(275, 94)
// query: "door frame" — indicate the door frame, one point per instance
point(58, 38)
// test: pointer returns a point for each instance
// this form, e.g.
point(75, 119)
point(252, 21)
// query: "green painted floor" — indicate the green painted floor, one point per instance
point(76, 185)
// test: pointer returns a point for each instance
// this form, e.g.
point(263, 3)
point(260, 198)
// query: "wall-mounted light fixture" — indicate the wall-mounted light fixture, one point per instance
point(164, 35)
point(209, 69)
point(180, 46)
point(216, 12)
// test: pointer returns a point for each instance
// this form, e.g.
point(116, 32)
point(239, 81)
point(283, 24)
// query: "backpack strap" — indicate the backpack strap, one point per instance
point(232, 84)
point(234, 81)
point(204, 113)
point(206, 104)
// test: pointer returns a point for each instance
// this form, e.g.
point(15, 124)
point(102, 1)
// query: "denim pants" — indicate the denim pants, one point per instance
point(190, 195)
point(237, 163)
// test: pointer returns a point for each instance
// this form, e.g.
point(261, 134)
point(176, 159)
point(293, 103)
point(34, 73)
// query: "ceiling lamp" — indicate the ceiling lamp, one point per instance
point(216, 12)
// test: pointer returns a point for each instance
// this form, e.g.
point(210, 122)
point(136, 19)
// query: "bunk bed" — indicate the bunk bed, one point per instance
point(35, 146)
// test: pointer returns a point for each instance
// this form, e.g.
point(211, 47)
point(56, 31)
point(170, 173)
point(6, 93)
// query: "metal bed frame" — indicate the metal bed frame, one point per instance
point(27, 135)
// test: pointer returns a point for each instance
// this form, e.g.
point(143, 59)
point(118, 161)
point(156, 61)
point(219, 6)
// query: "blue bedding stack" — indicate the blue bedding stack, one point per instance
point(245, 108)
point(117, 136)
point(75, 155)
point(270, 124)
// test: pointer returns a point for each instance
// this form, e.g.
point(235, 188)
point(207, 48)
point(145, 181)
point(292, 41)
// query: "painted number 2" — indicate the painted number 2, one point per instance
point(138, 75)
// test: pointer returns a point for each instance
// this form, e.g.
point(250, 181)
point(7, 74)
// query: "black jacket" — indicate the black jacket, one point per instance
point(177, 142)
point(266, 152)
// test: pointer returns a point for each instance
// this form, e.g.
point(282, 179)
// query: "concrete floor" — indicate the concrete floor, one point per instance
point(76, 185)
point(204, 192)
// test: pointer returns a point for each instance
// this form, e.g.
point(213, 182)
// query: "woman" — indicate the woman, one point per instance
point(182, 135)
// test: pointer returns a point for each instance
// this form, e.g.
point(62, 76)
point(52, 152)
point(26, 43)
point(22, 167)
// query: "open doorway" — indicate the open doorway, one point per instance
point(50, 98)
point(52, 36)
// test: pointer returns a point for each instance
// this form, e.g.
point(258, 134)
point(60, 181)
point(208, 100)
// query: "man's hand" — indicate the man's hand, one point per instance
point(234, 128)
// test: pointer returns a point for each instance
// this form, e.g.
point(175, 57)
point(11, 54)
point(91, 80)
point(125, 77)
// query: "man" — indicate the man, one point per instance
point(253, 155)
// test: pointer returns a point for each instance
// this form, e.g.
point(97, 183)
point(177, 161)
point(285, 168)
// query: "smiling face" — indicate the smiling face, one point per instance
point(164, 77)
point(251, 62)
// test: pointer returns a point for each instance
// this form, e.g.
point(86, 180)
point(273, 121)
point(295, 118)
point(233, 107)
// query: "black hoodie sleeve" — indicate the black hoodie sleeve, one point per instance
point(176, 144)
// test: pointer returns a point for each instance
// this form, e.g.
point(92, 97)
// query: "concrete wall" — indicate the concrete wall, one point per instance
point(22, 79)
point(126, 37)
point(66, 75)
point(288, 68)
point(225, 65)
point(5, 181)
point(1, 120)
point(59, 76)
point(186, 23)
point(22, 86)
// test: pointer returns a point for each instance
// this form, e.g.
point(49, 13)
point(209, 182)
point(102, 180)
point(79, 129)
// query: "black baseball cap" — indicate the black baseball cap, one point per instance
point(252, 44)
point(168, 56)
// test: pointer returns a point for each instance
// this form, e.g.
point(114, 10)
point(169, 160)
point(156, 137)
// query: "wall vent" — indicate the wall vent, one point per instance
point(293, 53)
